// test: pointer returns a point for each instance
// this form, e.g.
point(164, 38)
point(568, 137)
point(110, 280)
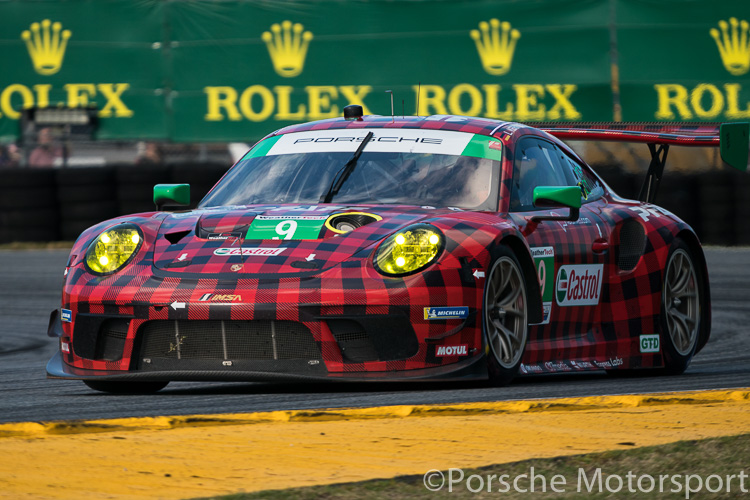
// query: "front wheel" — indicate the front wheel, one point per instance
point(505, 317)
point(680, 321)
point(125, 387)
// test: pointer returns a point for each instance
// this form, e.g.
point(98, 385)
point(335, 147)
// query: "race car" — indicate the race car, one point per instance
point(379, 248)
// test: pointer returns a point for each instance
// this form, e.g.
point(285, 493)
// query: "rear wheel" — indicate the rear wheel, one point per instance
point(682, 293)
point(505, 317)
point(126, 387)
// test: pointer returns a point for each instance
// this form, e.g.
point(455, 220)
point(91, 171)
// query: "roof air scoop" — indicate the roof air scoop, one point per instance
point(353, 112)
point(349, 221)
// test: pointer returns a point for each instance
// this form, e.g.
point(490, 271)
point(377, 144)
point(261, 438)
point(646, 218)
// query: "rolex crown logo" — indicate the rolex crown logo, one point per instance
point(287, 46)
point(495, 47)
point(46, 46)
point(734, 45)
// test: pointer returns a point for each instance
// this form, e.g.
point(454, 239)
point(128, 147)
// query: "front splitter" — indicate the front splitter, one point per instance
point(468, 369)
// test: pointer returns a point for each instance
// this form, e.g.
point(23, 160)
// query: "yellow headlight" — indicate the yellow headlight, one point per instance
point(112, 249)
point(409, 250)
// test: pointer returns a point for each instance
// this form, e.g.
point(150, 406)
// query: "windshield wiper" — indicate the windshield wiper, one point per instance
point(346, 171)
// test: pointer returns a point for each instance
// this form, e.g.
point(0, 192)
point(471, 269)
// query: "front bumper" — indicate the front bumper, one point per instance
point(348, 323)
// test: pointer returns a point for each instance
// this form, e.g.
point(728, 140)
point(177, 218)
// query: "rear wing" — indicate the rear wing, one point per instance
point(732, 139)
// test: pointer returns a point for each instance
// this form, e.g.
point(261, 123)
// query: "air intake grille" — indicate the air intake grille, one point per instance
point(111, 340)
point(227, 340)
point(632, 244)
point(353, 340)
point(374, 338)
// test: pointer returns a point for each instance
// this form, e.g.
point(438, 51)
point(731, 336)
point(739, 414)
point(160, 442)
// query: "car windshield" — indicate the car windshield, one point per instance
point(380, 177)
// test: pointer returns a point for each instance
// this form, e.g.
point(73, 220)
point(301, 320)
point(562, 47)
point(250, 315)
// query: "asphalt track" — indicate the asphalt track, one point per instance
point(30, 288)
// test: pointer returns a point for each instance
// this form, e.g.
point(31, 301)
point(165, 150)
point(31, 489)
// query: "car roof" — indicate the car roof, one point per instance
point(471, 125)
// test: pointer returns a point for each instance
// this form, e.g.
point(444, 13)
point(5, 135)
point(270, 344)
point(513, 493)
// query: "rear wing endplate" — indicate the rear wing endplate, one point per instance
point(734, 144)
point(732, 139)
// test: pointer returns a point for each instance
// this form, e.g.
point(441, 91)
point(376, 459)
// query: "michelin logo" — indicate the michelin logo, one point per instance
point(446, 312)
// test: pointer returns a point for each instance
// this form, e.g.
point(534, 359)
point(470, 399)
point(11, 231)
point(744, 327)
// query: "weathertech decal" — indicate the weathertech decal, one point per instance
point(291, 217)
point(452, 350)
point(224, 236)
point(446, 312)
point(265, 252)
point(579, 285)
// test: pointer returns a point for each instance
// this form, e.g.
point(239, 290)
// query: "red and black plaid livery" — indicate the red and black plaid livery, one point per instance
point(346, 283)
point(312, 282)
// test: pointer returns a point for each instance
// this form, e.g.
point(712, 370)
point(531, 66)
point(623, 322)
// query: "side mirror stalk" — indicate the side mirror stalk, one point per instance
point(572, 217)
point(558, 197)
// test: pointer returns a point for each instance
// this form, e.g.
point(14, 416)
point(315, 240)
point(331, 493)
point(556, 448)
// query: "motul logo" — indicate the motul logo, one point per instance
point(452, 350)
point(579, 285)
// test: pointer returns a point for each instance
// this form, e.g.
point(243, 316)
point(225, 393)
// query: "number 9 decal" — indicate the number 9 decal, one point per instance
point(286, 229)
point(542, 270)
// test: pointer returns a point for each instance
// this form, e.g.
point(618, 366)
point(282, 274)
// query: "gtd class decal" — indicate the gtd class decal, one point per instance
point(579, 285)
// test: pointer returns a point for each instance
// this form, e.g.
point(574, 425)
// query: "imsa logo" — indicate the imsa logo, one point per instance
point(579, 285)
point(218, 297)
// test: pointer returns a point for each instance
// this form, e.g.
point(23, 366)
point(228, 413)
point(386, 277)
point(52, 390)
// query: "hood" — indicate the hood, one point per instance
point(271, 240)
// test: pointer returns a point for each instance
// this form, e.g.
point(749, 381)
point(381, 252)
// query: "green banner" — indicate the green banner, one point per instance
point(83, 53)
point(684, 60)
point(236, 70)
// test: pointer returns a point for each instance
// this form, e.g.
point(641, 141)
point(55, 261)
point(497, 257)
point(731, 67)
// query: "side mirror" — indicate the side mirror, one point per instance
point(558, 197)
point(172, 195)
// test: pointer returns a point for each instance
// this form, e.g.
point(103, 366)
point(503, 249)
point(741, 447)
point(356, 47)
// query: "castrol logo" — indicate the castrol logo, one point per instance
point(579, 285)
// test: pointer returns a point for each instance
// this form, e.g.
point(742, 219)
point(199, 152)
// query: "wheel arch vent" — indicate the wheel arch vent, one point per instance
point(631, 244)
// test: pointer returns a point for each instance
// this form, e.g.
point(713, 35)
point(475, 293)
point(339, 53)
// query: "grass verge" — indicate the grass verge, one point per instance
point(685, 463)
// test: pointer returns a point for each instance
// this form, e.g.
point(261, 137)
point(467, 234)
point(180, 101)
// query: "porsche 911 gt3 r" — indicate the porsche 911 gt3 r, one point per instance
point(381, 248)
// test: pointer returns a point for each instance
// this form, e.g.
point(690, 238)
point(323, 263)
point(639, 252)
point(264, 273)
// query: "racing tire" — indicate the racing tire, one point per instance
point(681, 308)
point(505, 317)
point(126, 387)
